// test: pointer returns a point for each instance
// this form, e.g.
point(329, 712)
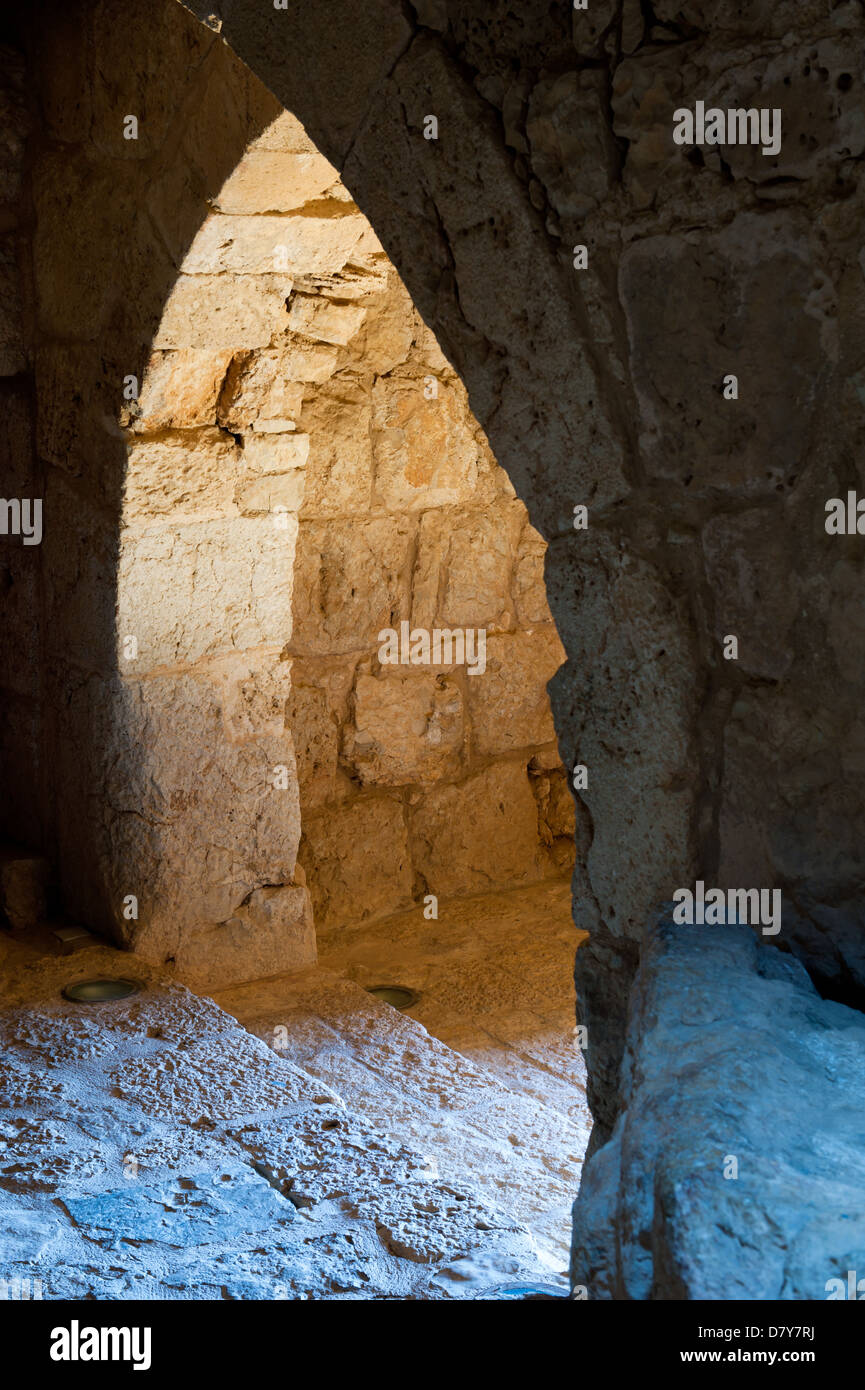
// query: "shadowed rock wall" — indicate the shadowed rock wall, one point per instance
point(603, 387)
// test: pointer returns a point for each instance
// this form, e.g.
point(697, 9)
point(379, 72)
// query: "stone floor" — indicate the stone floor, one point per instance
point(296, 1138)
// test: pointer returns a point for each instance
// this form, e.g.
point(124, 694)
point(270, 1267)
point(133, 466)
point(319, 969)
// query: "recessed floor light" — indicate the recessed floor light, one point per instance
point(98, 991)
point(398, 996)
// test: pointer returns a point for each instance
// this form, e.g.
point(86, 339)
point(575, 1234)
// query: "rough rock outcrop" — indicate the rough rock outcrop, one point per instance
point(736, 1166)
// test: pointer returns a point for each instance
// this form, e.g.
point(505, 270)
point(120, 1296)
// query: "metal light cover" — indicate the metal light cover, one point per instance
point(99, 991)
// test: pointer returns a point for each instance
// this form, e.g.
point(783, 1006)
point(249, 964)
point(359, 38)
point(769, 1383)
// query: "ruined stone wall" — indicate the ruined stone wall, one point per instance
point(163, 689)
point(597, 382)
point(414, 779)
point(344, 445)
point(253, 458)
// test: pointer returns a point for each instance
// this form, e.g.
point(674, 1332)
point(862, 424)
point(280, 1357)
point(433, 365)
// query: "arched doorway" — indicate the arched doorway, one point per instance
point(287, 421)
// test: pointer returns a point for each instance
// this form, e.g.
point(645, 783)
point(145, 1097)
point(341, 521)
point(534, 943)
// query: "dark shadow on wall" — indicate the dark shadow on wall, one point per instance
point(111, 222)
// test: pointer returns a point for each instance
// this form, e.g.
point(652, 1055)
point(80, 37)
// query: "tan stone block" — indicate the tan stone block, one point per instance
point(223, 312)
point(479, 834)
point(357, 862)
point(339, 470)
point(183, 815)
point(530, 590)
point(278, 424)
point(560, 809)
point(275, 453)
point(408, 727)
point(428, 453)
point(351, 581)
point(508, 704)
point(270, 933)
point(316, 711)
point(360, 282)
point(386, 338)
point(463, 571)
point(257, 245)
point(180, 390)
point(204, 588)
point(283, 491)
point(324, 321)
point(257, 390)
point(253, 690)
point(430, 355)
point(305, 361)
point(275, 181)
point(556, 815)
point(190, 475)
point(280, 129)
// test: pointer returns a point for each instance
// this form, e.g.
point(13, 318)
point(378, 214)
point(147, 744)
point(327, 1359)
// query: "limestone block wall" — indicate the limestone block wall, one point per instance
point(253, 458)
point(315, 490)
point(414, 779)
point(165, 598)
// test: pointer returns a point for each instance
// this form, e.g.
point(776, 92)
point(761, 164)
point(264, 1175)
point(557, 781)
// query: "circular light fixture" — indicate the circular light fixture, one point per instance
point(398, 996)
point(99, 991)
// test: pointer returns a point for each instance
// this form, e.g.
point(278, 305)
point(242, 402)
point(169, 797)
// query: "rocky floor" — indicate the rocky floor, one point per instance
point(302, 1140)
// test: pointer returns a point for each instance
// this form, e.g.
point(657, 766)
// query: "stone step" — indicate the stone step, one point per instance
point(516, 1151)
point(153, 1148)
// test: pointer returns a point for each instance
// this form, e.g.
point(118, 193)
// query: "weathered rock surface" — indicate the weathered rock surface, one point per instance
point(735, 1169)
point(152, 1148)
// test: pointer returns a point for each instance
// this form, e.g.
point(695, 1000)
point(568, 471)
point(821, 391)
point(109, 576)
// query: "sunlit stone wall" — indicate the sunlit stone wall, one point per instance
point(256, 462)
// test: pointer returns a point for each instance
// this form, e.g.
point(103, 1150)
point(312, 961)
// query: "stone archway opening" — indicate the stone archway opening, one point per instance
point(361, 604)
point(293, 482)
